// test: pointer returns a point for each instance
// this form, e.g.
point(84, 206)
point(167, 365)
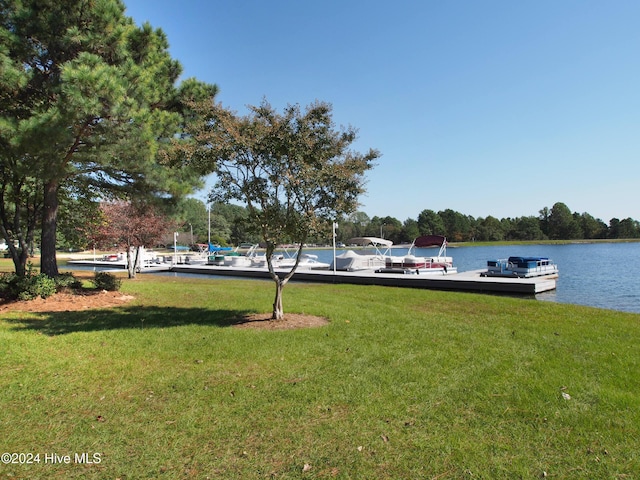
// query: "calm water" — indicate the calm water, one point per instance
point(605, 275)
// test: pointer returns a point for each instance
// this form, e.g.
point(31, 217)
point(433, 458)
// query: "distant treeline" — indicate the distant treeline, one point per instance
point(228, 226)
point(557, 223)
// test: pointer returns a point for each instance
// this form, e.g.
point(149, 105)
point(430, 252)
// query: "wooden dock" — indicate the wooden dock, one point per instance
point(465, 281)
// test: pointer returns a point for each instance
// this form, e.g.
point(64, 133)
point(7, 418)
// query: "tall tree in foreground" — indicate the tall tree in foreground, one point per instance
point(294, 172)
point(86, 98)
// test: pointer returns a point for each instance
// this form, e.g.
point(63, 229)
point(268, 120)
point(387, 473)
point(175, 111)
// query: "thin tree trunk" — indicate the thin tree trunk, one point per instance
point(137, 264)
point(19, 256)
point(278, 311)
point(48, 262)
point(131, 268)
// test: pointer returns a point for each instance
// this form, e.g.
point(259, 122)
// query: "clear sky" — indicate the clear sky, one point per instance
point(493, 107)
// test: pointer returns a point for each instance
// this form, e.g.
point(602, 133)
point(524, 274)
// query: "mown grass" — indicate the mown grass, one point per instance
point(401, 384)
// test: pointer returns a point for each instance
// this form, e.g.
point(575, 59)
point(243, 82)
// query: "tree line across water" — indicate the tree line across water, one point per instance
point(229, 227)
point(555, 223)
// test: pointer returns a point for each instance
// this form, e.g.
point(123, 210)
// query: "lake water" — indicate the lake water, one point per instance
point(605, 275)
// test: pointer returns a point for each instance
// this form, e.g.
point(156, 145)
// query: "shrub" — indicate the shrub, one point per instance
point(30, 286)
point(106, 281)
point(5, 284)
point(40, 285)
point(66, 281)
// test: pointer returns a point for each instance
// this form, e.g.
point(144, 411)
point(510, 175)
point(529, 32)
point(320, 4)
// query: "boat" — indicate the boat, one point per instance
point(251, 259)
point(522, 267)
point(286, 260)
point(201, 256)
point(150, 261)
point(229, 256)
point(309, 260)
point(351, 260)
point(439, 264)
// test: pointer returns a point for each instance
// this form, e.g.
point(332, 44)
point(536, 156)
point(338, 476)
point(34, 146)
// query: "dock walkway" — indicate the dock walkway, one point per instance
point(470, 281)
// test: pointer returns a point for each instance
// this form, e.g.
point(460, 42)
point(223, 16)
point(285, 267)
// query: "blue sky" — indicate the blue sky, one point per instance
point(488, 108)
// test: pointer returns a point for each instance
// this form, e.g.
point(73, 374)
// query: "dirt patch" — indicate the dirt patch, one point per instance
point(68, 302)
point(290, 321)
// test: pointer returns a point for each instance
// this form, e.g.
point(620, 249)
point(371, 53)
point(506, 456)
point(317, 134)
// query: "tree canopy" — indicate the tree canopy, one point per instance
point(294, 171)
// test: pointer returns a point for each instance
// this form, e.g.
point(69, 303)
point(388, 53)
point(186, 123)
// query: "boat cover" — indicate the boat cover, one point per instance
point(528, 262)
point(216, 248)
point(351, 260)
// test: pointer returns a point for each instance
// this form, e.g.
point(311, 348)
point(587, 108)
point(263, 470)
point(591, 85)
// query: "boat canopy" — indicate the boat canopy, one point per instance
point(365, 241)
point(430, 241)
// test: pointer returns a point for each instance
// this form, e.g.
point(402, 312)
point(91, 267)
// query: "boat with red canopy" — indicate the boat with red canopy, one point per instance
point(413, 264)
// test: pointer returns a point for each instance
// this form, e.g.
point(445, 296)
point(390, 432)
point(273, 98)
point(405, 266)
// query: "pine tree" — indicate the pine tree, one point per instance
point(90, 101)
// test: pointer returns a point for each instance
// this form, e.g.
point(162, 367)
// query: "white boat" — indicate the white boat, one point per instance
point(251, 259)
point(524, 267)
point(149, 261)
point(439, 264)
point(225, 256)
point(285, 259)
point(352, 261)
point(307, 261)
point(201, 257)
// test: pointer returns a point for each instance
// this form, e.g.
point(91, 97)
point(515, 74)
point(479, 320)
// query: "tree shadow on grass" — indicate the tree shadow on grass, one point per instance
point(131, 317)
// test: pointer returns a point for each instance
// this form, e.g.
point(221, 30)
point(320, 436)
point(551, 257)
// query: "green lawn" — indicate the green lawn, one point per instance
point(402, 384)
